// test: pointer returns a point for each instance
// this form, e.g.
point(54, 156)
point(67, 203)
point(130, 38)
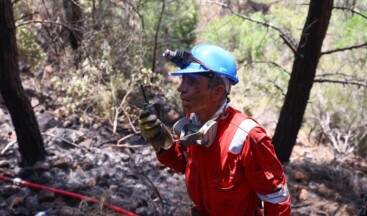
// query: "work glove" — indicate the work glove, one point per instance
point(154, 130)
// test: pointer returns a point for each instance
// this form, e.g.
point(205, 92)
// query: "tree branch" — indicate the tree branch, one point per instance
point(25, 16)
point(157, 34)
point(346, 82)
point(42, 22)
point(278, 87)
point(351, 10)
point(288, 39)
point(274, 64)
point(351, 77)
point(344, 48)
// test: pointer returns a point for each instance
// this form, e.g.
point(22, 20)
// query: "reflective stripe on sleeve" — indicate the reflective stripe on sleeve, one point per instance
point(241, 134)
point(277, 197)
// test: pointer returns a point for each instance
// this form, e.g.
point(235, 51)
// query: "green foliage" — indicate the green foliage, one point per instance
point(176, 30)
point(251, 41)
point(290, 20)
point(257, 50)
point(352, 31)
point(180, 21)
point(247, 40)
point(28, 48)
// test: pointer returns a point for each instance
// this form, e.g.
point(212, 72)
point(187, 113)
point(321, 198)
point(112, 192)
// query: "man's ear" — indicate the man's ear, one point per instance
point(219, 91)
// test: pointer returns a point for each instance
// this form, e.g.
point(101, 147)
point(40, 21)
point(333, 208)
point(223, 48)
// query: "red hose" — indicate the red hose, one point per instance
point(67, 193)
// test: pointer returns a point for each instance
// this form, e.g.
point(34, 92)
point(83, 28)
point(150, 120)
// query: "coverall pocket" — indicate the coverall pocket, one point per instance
point(226, 183)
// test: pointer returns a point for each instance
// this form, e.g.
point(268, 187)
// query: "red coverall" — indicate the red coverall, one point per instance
point(238, 169)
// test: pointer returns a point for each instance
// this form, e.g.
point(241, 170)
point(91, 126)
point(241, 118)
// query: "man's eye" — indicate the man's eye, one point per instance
point(188, 79)
point(191, 81)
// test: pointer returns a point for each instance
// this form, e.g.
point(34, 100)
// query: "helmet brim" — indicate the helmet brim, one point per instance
point(197, 68)
point(191, 68)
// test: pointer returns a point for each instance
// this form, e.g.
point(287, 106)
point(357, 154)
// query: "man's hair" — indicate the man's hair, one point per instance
point(215, 81)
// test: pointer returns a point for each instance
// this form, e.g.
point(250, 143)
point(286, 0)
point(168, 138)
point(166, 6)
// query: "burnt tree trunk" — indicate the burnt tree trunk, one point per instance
point(74, 18)
point(29, 137)
point(302, 77)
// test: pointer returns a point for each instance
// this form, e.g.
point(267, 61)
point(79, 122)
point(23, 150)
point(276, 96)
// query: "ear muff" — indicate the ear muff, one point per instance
point(190, 133)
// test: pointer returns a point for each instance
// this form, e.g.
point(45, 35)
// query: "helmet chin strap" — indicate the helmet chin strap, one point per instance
point(191, 131)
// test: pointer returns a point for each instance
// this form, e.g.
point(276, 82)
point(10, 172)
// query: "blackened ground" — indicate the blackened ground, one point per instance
point(91, 162)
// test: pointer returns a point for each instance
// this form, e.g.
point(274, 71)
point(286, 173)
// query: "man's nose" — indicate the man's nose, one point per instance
point(182, 87)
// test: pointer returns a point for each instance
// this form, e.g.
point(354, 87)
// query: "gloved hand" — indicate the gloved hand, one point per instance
point(154, 130)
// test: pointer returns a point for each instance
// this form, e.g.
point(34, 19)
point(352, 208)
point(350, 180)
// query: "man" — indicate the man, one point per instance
point(228, 159)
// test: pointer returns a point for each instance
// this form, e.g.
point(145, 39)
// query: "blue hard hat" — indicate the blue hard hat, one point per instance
point(213, 58)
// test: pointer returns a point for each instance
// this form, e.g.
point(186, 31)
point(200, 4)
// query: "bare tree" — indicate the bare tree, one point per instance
point(29, 137)
point(302, 77)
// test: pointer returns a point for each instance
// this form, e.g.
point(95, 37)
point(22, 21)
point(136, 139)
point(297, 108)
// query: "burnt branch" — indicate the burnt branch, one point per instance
point(287, 38)
point(157, 34)
point(350, 10)
point(343, 82)
point(26, 16)
point(136, 10)
point(282, 91)
point(43, 22)
point(274, 64)
point(344, 48)
point(337, 74)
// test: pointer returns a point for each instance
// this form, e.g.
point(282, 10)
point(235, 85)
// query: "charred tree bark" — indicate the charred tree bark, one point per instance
point(29, 137)
point(156, 35)
point(302, 77)
point(74, 17)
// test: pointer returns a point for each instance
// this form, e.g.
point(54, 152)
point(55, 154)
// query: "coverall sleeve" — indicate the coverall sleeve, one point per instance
point(174, 157)
point(265, 173)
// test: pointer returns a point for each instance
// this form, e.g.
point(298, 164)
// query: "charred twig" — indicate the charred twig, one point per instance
point(155, 190)
point(25, 16)
point(345, 82)
point(126, 145)
point(123, 138)
point(7, 147)
point(351, 10)
point(156, 35)
point(118, 111)
point(117, 142)
point(48, 13)
point(43, 22)
point(341, 78)
point(271, 63)
point(344, 48)
point(339, 74)
point(129, 120)
point(67, 141)
point(278, 87)
point(136, 10)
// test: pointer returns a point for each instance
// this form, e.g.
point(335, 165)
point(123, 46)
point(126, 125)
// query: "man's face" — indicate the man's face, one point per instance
point(194, 94)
